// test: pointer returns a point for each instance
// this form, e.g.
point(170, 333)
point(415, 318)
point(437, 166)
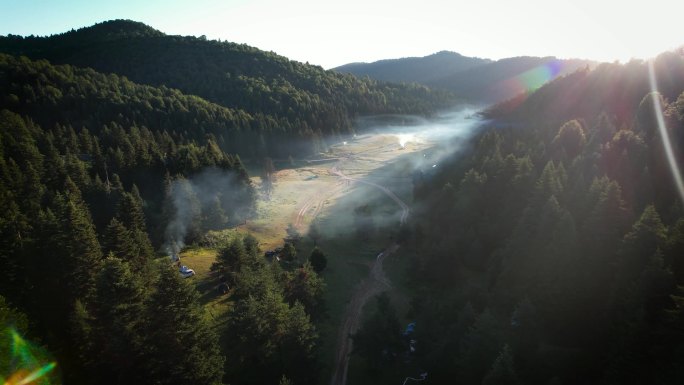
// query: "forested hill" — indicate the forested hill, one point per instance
point(98, 175)
point(475, 79)
point(611, 88)
point(414, 69)
point(553, 252)
point(89, 164)
point(305, 100)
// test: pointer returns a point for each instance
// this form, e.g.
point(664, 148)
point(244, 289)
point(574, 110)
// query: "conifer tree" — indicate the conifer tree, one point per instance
point(182, 348)
point(77, 243)
point(116, 329)
point(130, 213)
point(502, 371)
point(303, 285)
point(318, 260)
point(118, 241)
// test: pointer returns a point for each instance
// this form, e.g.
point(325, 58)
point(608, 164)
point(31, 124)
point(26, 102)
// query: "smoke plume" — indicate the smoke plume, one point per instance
point(212, 199)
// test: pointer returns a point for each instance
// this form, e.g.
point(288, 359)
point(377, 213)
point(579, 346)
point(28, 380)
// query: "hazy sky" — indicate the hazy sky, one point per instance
point(331, 33)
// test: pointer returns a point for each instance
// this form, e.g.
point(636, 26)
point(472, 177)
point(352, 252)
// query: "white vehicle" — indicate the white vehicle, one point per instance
point(185, 272)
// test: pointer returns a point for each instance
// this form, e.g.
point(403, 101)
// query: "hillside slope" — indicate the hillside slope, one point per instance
point(475, 79)
point(414, 69)
point(305, 100)
point(552, 251)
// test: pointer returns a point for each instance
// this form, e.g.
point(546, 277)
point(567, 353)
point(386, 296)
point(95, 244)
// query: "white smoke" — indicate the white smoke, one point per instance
point(211, 194)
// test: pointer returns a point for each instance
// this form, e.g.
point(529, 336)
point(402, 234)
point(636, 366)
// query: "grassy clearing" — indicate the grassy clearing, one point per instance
point(200, 259)
point(348, 257)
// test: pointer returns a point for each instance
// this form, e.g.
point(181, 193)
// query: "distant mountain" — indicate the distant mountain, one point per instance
point(479, 80)
point(414, 69)
point(506, 78)
point(307, 102)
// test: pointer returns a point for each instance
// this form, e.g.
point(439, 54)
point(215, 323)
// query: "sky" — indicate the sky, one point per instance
point(332, 33)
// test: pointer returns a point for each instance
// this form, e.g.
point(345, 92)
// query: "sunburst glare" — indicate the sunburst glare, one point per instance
point(664, 134)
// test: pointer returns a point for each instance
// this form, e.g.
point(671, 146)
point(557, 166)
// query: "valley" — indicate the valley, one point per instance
point(373, 169)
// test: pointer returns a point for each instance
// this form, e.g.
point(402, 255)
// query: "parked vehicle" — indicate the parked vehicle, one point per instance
point(185, 272)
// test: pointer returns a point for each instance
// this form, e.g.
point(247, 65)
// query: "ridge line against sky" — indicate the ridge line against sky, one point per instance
point(333, 33)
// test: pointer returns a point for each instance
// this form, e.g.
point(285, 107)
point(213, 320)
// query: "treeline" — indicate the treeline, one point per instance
point(104, 131)
point(82, 278)
point(553, 253)
point(85, 176)
point(611, 88)
point(295, 106)
point(91, 293)
point(270, 334)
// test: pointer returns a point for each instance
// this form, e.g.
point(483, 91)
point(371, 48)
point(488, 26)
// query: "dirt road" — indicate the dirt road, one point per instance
point(374, 284)
point(376, 151)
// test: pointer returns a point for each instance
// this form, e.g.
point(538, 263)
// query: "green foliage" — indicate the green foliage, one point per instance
point(318, 260)
point(11, 318)
point(118, 242)
point(280, 106)
point(78, 244)
point(114, 342)
point(479, 347)
point(303, 285)
point(378, 340)
point(502, 371)
point(571, 138)
point(181, 346)
point(568, 238)
point(269, 337)
point(289, 252)
point(233, 256)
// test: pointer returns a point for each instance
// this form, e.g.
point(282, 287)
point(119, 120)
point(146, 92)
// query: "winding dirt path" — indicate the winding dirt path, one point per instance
point(374, 284)
point(377, 281)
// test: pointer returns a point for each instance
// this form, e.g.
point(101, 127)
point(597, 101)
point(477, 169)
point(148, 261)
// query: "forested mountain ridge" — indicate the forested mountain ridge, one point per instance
point(106, 125)
point(93, 169)
point(611, 88)
point(477, 80)
point(306, 101)
point(414, 69)
point(98, 174)
point(552, 252)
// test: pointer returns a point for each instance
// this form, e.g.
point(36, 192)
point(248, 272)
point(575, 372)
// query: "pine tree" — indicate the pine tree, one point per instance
point(214, 216)
point(182, 348)
point(118, 241)
point(318, 260)
point(502, 371)
point(303, 285)
point(268, 337)
point(479, 348)
point(116, 333)
point(647, 236)
point(251, 245)
point(233, 256)
point(571, 138)
point(78, 243)
point(130, 213)
point(289, 252)
point(378, 339)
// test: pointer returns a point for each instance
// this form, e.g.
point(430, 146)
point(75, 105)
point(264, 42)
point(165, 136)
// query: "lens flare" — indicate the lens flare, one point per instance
point(22, 362)
point(664, 134)
point(532, 79)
